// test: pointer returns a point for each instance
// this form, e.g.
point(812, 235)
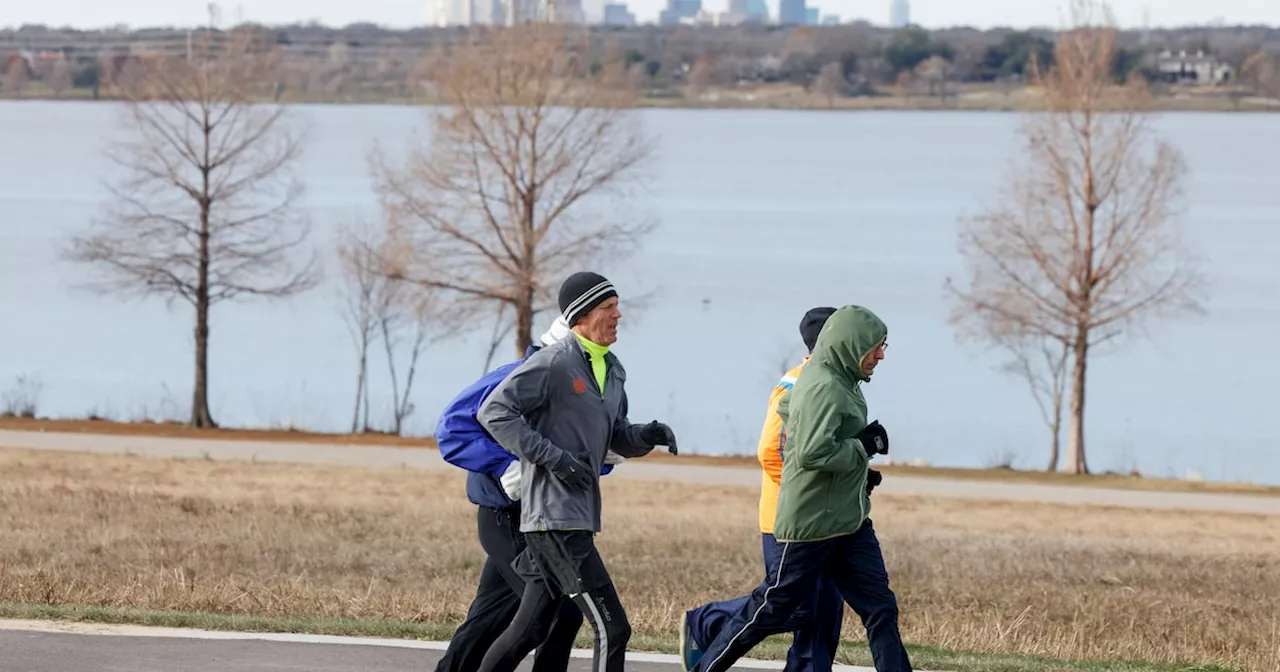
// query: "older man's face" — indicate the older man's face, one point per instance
point(601, 324)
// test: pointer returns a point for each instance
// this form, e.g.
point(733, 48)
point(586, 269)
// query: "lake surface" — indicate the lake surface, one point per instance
point(763, 214)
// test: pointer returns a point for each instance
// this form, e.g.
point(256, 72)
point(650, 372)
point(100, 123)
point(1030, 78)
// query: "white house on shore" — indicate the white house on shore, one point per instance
point(1198, 68)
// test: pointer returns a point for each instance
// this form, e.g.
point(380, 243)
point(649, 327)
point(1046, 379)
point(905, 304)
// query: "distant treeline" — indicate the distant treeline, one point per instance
point(363, 61)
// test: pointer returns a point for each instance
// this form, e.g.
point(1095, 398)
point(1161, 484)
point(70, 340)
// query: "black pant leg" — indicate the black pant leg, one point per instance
point(504, 542)
point(495, 603)
point(603, 610)
point(491, 611)
point(532, 623)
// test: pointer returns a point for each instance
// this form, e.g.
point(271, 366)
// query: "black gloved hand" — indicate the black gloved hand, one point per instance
point(658, 434)
point(873, 479)
point(572, 471)
point(874, 439)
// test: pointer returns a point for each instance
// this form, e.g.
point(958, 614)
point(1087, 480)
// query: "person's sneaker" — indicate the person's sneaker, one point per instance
point(690, 654)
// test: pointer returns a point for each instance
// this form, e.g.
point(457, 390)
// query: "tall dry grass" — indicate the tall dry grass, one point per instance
point(291, 540)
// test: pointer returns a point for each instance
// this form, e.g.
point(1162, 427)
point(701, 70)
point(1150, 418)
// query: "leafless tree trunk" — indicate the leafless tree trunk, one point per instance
point(1043, 365)
point(207, 211)
point(831, 82)
point(1082, 244)
point(365, 301)
point(501, 327)
point(508, 198)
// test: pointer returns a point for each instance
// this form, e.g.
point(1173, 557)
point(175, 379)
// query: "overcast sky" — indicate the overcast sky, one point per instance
point(406, 13)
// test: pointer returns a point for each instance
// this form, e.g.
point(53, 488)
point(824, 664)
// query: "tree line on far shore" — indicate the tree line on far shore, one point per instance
point(367, 63)
point(478, 226)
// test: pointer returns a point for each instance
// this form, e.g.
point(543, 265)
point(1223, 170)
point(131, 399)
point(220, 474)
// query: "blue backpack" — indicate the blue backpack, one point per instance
point(465, 443)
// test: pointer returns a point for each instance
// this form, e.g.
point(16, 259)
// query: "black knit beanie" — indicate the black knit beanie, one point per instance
point(811, 325)
point(581, 292)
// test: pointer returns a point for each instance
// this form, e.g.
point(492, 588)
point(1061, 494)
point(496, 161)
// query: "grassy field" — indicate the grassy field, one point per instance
point(176, 430)
point(983, 586)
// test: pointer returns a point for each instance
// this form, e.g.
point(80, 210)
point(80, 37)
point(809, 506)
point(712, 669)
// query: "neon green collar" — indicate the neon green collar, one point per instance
point(597, 352)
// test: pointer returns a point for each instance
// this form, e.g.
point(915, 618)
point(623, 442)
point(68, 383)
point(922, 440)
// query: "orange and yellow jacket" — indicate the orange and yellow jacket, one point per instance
point(773, 440)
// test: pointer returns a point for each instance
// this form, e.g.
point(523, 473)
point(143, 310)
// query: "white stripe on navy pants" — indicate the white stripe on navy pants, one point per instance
point(854, 562)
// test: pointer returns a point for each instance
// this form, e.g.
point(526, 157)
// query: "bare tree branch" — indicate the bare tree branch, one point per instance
point(207, 210)
point(511, 192)
point(1083, 243)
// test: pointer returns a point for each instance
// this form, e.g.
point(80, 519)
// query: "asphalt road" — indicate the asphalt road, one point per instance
point(27, 646)
point(376, 456)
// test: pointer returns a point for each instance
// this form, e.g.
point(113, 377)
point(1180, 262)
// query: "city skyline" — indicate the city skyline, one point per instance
point(90, 14)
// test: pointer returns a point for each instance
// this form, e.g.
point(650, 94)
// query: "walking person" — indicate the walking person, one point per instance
point(493, 485)
point(818, 621)
point(824, 504)
point(560, 411)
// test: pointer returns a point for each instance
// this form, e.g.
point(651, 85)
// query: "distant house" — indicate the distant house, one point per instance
point(1198, 68)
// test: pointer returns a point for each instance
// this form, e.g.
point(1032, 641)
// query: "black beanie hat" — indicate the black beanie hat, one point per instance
point(582, 292)
point(811, 325)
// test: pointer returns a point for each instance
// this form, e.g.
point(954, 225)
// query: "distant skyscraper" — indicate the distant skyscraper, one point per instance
point(758, 10)
point(617, 14)
point(792, 13)
point(900, 13)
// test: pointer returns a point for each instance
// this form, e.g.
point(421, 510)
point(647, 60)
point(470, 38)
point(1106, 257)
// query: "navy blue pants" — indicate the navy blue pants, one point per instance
point(815, 624)
point(854, 562)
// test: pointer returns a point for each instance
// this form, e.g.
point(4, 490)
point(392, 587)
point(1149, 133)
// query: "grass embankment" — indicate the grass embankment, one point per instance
point(177, 430)
point(392, 552)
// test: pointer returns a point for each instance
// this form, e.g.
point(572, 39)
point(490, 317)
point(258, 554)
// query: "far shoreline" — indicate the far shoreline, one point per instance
point(787, 99)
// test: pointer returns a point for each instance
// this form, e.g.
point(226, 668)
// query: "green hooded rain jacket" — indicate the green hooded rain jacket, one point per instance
point(824, 468)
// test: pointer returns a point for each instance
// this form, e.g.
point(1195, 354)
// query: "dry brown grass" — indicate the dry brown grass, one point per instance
point(179, 431)
point(289, 540)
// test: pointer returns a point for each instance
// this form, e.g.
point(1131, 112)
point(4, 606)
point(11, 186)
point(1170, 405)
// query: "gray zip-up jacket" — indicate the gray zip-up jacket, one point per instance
point(551, 403)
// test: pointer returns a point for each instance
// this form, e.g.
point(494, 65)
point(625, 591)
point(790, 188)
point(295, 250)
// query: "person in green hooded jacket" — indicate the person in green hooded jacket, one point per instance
point(824, 501)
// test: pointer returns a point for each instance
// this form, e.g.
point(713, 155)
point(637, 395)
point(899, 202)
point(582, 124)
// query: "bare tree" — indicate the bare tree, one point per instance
point(1040, 361)
point(15, 74)
point(421, 318)
point(1261, 74)
point(831, 82)
point(206, 212)
point(1082, 243)
point(510, 194)
point(60, 76)
point(366, 299)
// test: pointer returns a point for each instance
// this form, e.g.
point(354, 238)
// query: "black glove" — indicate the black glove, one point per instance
point(658, 434)
point(572, 471)
point(873, 479)
point(874, 439)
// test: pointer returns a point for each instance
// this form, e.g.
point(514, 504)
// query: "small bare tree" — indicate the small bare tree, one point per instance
point(831, 82)
point(15, 74)
point(533, 136)
point(366, 297)
point(206, 212)
point(377, 306)
point(1082, 244)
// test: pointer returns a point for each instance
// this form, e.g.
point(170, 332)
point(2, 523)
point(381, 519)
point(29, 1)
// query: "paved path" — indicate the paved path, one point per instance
point(34, 646)
point(377, 456)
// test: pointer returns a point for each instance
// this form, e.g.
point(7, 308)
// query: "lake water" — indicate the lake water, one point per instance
point(763, 214)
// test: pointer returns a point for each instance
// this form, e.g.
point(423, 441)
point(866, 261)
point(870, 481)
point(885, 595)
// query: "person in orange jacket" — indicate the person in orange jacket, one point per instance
point(818, 623)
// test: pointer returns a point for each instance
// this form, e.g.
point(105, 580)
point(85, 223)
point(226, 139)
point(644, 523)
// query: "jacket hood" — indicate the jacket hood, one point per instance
point(559, 329)
point(847, 338)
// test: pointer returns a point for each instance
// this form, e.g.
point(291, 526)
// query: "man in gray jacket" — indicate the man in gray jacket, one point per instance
point(560, 411)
